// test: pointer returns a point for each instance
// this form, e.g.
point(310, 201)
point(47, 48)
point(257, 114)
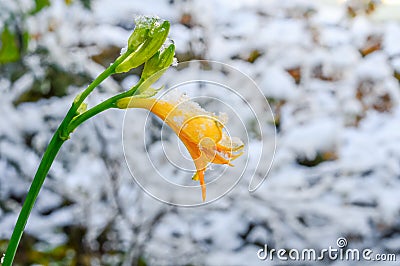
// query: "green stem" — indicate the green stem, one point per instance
point(59, 137)
point(107, 104)
point(109, 71)
point(79, 100)
point(44, 167)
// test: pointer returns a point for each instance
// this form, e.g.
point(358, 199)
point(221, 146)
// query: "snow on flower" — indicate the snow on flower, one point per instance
point(200, 131)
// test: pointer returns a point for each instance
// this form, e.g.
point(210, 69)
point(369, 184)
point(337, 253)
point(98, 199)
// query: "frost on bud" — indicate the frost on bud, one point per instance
point(145, 41)
point(141, 32)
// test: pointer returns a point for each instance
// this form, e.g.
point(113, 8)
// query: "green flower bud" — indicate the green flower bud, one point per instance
point(143, 26)
point(155, 67)
point(151, 64)
point(159, 62)
point(155, 38)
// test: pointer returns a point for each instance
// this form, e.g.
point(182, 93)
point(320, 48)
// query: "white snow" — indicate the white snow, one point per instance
point(343, 104)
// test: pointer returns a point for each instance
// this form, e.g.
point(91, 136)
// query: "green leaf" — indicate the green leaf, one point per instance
point(40, 4)
point(87, 4)
point(9, 50)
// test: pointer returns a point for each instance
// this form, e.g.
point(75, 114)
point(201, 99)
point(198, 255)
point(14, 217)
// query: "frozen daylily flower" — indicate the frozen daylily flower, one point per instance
point(200, 131)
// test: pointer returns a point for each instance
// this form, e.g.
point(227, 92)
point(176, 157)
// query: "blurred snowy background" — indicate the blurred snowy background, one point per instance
point(329, 69)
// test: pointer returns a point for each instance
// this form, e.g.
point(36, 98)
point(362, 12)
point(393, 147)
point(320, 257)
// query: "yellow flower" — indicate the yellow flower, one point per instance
point(200, 131)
